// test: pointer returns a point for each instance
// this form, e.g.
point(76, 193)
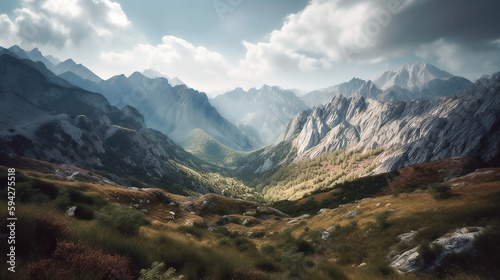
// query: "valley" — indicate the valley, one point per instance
point(361, 180)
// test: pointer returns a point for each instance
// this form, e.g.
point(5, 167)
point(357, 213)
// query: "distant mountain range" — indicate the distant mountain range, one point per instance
point(410, 132)
point(267, 109)
point(42, 118)
point(409, 82)
point(67, 114)
point(176, 111)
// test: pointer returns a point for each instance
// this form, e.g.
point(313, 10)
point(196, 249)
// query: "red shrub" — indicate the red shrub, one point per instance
point(73, 261)
point(248, 274)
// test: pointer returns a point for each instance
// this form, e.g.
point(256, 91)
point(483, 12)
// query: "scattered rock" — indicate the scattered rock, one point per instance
point(325, 235)
point(250, 213)
point(378, 204)
point(362, 265)
point(246, 222)
point(387, 205)
point(350, 214)
point(71, 211)
point(332, 229)
point(323, 210)
point(407, 237)
point(305, 216)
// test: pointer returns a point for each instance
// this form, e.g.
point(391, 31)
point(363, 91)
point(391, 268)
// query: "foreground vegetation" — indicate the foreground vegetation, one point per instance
point(108, 238)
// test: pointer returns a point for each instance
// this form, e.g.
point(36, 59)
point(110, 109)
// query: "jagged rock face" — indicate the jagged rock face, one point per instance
point(409, 82)
point(411, 77)
point(267, 110)
point(422, 130)
point(45, 121)
point(348, 89)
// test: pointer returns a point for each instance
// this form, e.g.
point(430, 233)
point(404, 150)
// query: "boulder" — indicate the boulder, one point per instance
point(459, 241)
point(71, 211)
point(350, 214)
point(325, 235)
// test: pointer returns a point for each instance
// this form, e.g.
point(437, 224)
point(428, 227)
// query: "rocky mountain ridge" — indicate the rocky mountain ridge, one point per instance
point(47, 121)
point(411, 132)
point(409, 82)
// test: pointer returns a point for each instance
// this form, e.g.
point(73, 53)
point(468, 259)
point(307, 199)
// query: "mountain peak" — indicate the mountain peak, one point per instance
point(410, 76)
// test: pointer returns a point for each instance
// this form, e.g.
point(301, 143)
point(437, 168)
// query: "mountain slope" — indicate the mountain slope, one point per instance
point(353, 87)
point(409, 82)
point(411, 132)
point(78, 69)
point(46, 121)
point(267, 109)
point(424, 130)
point(174, 111)
point(411, 76)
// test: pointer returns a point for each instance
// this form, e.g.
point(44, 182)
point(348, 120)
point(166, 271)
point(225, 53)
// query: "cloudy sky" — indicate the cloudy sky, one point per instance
point(214, 45)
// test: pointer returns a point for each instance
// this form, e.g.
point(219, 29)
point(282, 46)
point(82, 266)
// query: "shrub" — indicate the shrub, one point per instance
point(80, 260)
point(224, 241)
point(291, 256)
point(440, 191)
point(195, 231)
point(63, 202)
point(126, 221)
point(157, 272)
point(242, 243)
point(84, 212)
point(259, 234)
point(265, 265)
point(381, 219)
point(77, 196)
point(49, 229)
point(46, 188)
point(267, 248)
point(333, 271)
point(248, 274)
point(39, 231)
point(428, 252)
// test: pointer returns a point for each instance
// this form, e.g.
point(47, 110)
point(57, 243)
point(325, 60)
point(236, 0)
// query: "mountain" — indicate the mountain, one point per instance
point(67, 125)
point(151, 73)
point(411, 76)
point(351, 88)
point(419, 81)
point(174, 111)
point(409, 82)
point(34, 55)
point(411, 132)
point(78, 69)
point(267, 110)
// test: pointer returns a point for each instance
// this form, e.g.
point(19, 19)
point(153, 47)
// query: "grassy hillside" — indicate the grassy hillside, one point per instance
point(216, 237)
point(205, 147)
point(294, 181)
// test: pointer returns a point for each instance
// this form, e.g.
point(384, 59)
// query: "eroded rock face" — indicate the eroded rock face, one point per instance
point(422, 130)
point(459, 241)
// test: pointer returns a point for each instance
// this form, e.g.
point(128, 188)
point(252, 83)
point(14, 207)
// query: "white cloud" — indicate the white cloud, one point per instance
point(63, 24)
point(323, 34)
point(197, 66)
point(461, 59)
